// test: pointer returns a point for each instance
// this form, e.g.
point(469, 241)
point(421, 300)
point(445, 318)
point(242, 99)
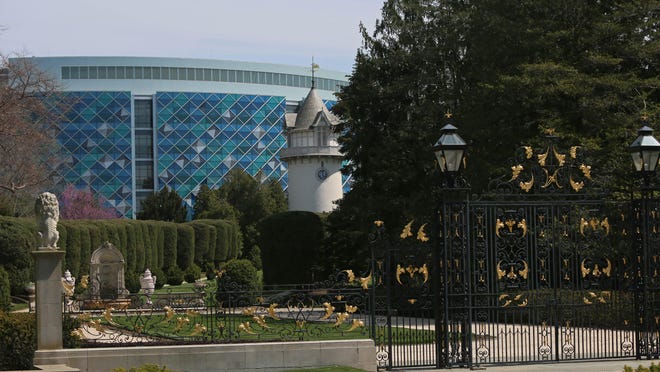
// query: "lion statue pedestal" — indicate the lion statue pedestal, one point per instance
point(47, 211)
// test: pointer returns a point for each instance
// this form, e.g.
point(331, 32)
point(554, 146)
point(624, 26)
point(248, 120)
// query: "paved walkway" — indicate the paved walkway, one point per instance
point(599, 366)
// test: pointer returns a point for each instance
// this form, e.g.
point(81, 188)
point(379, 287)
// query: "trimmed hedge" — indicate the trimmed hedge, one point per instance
point(185, 245)
point(169, 244)
point(18, 340)
point(17, 240)
point(156, 245)
point(5, 295)
point(202, 237)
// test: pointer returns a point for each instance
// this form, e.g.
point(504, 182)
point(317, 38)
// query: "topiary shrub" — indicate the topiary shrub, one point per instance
point(169, 244)
point(238, 283)
point(242, 273)
point(5, 291)
point(18, 340)
point(185, 245)
point(192, 273)
point(202, 236)
point(174, 275)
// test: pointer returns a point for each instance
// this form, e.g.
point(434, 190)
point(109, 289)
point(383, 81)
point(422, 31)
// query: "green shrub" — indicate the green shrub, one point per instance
point(18, 340)
point(131, 245)
point(652, 368)
point(139, 246)
point(174, 275)
point(223, 229)
point(202, 236)
point(185, 245)
point(192, 273)
point(69, 325)
point(222, 240)
point(61, 229)
point(148, 246)
point(5, 290)
point(145, 368)
point(94, 242)
point(159, 256)
point(72, 254)
point(17, 240)
point(243, 273)
point(169, 244)
point(210, 252)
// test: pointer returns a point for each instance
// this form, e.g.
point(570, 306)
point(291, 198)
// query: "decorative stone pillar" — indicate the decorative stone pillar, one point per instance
point(48, 278)
point(48, 274)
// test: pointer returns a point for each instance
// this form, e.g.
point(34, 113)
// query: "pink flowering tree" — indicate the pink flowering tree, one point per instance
point(78, 204)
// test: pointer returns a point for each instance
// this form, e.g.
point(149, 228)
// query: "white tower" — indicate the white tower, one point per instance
point(313, 157)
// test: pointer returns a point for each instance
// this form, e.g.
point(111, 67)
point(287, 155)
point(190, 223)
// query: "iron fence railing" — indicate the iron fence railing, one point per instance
point(222, 313)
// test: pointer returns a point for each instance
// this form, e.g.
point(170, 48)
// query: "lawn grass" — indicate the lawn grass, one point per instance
point(182, 288)
point(236, 328)
point(328, 369)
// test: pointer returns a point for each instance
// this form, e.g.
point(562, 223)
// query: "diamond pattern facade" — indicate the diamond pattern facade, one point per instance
point(201, 136)
point(96, 145)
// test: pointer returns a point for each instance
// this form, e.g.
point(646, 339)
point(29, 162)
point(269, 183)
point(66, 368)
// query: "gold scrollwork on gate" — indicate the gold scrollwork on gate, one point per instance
point(512, 273)
point(407, 232)
point(596, 271)
point(506, 300)
point(594, 224)
point(510, 224)
point(592, 297)
point(411, 271)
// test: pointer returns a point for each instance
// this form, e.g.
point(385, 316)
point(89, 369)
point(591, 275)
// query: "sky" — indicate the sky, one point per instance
point(288, 32)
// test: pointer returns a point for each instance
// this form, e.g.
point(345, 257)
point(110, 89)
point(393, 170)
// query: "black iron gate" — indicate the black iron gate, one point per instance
point(537, 271)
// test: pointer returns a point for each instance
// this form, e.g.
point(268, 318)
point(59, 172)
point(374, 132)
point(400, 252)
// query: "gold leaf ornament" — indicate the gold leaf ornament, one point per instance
point(421, 235)
point(526, 186)
point(515, 171)
point(577, 186)
point(364, 282)
point(407, 230)
point(586, 170)
point(356, 324)
point(561, 158)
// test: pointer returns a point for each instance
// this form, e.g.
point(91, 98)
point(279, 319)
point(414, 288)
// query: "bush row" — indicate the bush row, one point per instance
point(161, 246)
point(18, 340)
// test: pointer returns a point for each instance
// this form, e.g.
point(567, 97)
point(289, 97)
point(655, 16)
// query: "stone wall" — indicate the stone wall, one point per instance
point(248, 357)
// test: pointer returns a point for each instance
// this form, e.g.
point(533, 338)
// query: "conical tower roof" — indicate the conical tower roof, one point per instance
point(310, 111)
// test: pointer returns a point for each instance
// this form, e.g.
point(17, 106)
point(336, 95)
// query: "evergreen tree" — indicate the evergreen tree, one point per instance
point(164, 205)
point(244, 199)
point(508, 71)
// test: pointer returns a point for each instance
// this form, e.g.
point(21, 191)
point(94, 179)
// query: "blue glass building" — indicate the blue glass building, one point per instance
point(138, 124)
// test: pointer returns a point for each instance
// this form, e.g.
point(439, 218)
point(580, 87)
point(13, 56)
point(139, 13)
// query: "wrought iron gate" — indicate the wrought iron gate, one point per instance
point(537, 271)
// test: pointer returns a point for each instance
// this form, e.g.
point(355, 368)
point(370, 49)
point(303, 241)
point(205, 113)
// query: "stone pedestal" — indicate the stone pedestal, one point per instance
point(48, 278)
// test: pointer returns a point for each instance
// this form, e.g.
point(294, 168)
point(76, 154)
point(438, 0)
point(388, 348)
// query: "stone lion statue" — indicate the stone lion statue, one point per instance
point(48, 213)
